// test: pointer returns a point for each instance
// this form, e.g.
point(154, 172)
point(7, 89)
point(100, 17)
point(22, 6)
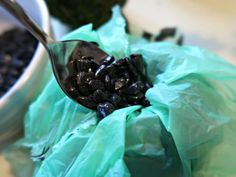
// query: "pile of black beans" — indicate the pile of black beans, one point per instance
point(109, 85)
point(17, 47)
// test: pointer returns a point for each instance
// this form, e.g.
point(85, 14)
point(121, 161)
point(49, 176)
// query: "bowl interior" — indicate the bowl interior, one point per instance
point(14, 103)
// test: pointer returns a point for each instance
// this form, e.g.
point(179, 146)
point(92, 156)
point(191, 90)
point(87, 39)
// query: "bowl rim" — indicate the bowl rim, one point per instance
point(36, 59)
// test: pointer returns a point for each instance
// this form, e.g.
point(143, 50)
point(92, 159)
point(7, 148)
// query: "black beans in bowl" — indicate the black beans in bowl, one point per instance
point(17, 47)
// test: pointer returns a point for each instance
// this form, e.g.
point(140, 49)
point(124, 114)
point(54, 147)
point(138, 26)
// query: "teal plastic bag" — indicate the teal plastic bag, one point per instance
point(187, 131)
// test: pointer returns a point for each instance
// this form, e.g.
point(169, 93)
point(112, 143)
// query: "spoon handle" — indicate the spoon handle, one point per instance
point(17, 11)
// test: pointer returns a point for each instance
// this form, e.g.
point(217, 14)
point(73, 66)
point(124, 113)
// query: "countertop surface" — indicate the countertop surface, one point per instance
point(5, 170)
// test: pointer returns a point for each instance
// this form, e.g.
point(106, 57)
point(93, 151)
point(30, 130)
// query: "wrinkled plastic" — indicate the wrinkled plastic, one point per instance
point(192, 109)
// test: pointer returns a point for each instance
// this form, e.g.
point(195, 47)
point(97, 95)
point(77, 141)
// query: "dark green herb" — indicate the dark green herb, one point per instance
point(80, 12)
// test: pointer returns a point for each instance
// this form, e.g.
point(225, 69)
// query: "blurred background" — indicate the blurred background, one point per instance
point(206, 23)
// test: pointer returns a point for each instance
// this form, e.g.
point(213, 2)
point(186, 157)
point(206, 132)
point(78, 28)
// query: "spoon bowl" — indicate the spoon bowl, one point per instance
point(61, 53)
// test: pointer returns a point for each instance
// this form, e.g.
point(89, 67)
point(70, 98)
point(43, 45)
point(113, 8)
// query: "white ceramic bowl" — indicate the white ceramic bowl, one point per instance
point(14, 103)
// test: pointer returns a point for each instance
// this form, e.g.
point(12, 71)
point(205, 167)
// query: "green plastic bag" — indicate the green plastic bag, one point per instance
point(192, 109)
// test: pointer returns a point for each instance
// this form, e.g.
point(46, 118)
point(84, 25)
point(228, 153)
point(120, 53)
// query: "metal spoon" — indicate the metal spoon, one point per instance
point(59, 52)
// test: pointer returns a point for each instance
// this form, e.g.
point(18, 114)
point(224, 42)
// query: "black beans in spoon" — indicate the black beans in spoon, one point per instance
point(110, 84)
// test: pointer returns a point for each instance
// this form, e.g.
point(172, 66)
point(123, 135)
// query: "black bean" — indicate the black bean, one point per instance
point(147, 35)
point(84, 89)
point(101, 72)
point(147, 86)
point(71, 87)
point(95, 85)
point(14, 72)
point(86, 64)
point(83, 65)
point(166, 32)
point(4, 70)
point(140, 85)
point(93, 65)
point(121, 70)
point(138, 62)
point(120, 62)
point(180, 40)
point(132, 69)
point(6, 60)
point(116, 100)
point(120, 83)
point(84, 77)
point(127, 78)
point(10, 49)
point(134, 88)
point(111, 68)
point(107, 82)
point(81, 78)
point(145, 103)
point(132, 98)
point(108, 60)
point(112, 84)
point(87, 101)
point(89, 76)
point(16, 63)
point(104, 109)
point(99, 96)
